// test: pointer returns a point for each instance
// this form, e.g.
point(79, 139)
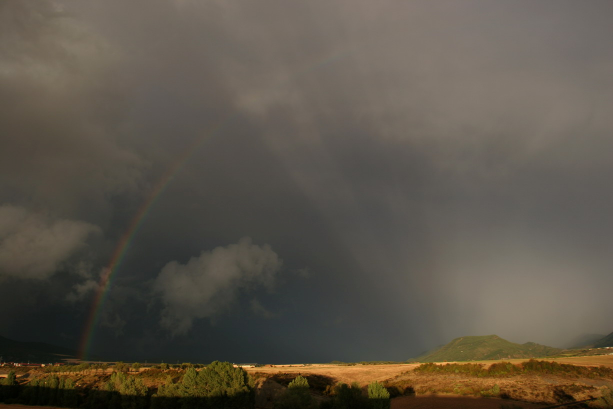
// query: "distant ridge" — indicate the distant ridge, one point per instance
point(476, 348)
point(605, 342)
point(39, 352)
point(585, 341)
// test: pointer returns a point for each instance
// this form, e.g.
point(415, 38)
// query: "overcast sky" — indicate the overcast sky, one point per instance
point(338, 180)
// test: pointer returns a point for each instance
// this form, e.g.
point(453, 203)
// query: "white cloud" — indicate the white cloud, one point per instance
point(206, 285)
point(34, 245)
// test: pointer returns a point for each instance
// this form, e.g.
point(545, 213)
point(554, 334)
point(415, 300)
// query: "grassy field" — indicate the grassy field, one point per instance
point(364, 374)
point(596, 360)
point(459, 390)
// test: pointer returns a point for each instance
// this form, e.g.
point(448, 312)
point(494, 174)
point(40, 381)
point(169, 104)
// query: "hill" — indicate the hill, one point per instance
point(477, 348)
point(585, 341)
point(604, 342)
point(17, 351)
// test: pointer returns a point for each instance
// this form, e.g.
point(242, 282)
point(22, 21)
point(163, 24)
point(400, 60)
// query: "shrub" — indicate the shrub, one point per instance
point(121, 367)
point(348, 397)
point(606, 399)
point(494, 391)
point(506, 369)
point(379, 397)
point(220, 385)
point(299, 383)
point(297, 396)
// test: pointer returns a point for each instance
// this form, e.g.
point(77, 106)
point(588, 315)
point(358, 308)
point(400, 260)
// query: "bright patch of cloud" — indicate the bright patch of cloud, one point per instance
point(209, 283)
point(34, 245)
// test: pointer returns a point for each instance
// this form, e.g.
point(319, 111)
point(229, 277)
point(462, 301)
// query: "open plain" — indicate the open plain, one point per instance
point(517, 383)
point(364, 374)
point(458, 390)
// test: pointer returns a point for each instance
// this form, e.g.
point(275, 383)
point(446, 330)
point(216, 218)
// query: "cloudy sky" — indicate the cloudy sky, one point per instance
point(310, 181)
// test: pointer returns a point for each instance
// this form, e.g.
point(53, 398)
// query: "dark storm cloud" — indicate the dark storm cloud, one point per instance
point(60, 123)
point(60, 160)
point(439, 169)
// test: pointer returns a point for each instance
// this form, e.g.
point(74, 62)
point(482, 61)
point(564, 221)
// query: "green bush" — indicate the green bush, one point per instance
point(379, 397)
point(299, 383)
point(297, 396)
point(493, 392)
point(347, 397)
point(8, 388)
point(220, 385)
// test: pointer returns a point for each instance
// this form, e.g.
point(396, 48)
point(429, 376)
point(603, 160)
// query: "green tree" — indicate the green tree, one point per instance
point(347, 397)
point(8, 389)
point(296, 396)
point(166, 396)
point(378, 396)
point(53, 384)
point(133, 393)
point(121, 367)
point(299, 383)
point(28, 394)
point(69, 394)
point(226, 386)
point(10, 379)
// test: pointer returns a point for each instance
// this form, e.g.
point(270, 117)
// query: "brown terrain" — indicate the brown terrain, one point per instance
point(453, 402)
point(425, 390)
point(446, 390)
point(17, 406)
point(364, 374)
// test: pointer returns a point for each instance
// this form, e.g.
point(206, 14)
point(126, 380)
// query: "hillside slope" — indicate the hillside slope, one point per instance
point(605, 342)
point(17, 351)
point(585, 341)
point(476, 348)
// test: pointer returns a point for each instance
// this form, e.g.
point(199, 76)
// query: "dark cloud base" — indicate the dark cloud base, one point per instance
point(423, 171)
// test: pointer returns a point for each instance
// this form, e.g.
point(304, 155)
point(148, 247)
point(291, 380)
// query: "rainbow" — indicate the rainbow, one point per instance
point(109, 272)
point(119, 253)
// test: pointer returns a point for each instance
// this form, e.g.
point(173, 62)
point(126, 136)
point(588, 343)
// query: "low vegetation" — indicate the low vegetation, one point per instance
point(506, 369)
point(221, 385)
point(531, 381)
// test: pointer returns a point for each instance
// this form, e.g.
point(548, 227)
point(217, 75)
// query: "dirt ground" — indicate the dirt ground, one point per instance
point(15, 406)
point(452, 402)
point(403, 402)
point(595, 360)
